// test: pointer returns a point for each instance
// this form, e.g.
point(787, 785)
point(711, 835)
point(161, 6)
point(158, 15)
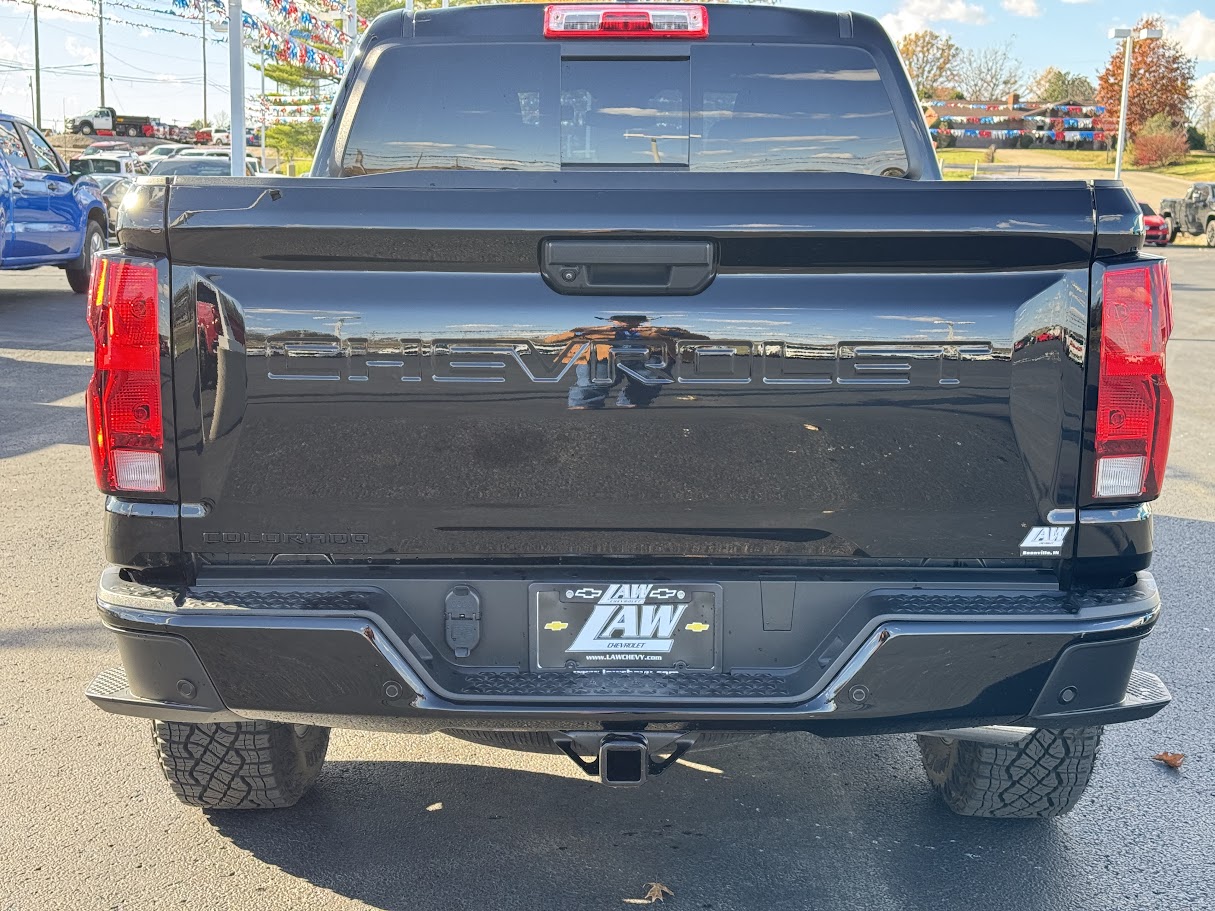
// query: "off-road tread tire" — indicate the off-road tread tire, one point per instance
point(1210, 233)
point(247, 765)
point(1042, 776)
point(541, 742)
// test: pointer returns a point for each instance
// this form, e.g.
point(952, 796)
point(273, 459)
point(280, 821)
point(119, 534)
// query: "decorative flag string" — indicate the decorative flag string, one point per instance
point(1071, 110)
point(269, 41)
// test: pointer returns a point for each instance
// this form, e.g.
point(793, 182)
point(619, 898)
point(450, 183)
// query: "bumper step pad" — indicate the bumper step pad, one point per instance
point(111, 691)
point(658, 685)
point(1146, 695)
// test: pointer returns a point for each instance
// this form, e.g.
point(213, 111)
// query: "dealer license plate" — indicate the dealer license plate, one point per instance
point(626, 626)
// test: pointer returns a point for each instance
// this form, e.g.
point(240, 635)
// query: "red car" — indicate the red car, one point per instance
point(1155, 230)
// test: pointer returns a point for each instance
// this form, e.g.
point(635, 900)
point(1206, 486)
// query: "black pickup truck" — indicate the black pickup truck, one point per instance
point(1193, 213)
point(625, 380)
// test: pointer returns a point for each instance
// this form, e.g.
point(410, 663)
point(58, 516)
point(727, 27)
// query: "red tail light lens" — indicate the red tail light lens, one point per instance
point(1134, 404)
point(126, 430)
point(626, 20)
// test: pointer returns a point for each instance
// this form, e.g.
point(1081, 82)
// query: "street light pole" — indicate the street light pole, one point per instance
point(204, 52)
point(1128, 35)
point(37, 73)
point(101, 47)
point(263, 136)
point(236, 82)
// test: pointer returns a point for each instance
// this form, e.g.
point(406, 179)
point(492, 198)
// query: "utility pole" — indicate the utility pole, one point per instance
point(236, 81)
point(101, 47)
point(352, 28)
point(37, 73)
point(263, 69)
point(204, 50)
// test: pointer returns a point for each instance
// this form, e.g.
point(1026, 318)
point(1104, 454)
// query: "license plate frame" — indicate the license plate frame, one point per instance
point(628, 627)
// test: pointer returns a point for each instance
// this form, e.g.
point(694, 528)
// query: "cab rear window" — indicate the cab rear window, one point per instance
point(726, 107)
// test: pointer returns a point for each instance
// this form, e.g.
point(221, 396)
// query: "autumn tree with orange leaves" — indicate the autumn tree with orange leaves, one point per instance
point(1161, 78)
point(931, 60)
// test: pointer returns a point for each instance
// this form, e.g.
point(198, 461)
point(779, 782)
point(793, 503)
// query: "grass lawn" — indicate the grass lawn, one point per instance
point(963, 156)
point(1199, 166)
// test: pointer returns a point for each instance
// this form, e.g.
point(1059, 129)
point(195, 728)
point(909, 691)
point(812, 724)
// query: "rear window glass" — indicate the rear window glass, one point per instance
point(522, 107)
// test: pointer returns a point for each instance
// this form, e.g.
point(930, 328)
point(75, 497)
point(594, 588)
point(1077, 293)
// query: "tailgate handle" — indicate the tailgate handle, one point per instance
point(628, 266)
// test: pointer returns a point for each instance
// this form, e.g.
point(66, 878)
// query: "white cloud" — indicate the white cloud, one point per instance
point(1077, 1)
point(80, 51)
point(917, 15)
point(1022, 7)
point(1196, 35)
point(10, 51)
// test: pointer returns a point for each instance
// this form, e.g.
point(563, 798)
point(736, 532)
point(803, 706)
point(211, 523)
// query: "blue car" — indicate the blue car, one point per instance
point(48, 217)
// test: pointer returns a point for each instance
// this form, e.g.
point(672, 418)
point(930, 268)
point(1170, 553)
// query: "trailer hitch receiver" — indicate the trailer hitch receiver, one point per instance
point(623, 760)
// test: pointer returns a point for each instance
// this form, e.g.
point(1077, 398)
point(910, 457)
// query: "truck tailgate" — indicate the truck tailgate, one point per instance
point(369, 371)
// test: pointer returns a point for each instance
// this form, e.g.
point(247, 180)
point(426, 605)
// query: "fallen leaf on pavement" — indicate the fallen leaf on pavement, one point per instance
point(654, 892)
point(1172, 760)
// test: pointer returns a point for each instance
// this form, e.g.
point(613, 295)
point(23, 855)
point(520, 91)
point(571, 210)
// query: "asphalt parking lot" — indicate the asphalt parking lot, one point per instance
point(434, 823)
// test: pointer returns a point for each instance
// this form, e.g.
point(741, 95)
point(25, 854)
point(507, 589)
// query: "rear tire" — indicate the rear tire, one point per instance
point(1211, 233)
point(1042, 776)
point(1170, 229)
point(247, 765)
point(80, 272)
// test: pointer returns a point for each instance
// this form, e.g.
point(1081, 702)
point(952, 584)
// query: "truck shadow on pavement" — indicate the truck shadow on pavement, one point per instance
point(41, 404)
point(785, 822)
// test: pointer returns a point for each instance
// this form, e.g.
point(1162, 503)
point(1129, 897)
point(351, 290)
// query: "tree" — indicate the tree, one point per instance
point(1161, 80)
point(1159, 142)
point(293, 140)
point(1201, 110)
point(930, 59)
point(988, 75)
point(1061, 85)
point(290, 76)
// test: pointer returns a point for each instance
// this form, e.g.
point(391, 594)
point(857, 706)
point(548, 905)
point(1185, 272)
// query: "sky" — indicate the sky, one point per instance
point(159, 74)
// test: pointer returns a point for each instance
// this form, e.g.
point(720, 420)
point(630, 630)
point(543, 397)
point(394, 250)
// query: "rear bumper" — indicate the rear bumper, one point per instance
point(913, 659)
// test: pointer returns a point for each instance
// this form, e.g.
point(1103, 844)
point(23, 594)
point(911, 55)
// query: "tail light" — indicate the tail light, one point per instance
point(1134, 404)
point(626, 20)
point(126, 430)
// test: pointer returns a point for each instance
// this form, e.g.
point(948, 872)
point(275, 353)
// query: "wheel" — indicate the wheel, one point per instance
point(1042, 776)
point(541, 742)
point(79, 272)
point(131, 131)
point(247, 765)
point(1211, 233)
point(86, 129)
point(1170, 229)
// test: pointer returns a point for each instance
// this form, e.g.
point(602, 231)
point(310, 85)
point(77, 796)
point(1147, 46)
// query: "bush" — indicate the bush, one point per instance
point(1155, 150)
point(1196, 140)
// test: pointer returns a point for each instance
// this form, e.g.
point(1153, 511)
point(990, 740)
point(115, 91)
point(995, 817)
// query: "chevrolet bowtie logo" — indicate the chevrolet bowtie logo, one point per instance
point(697, 627)
point(556, 625)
